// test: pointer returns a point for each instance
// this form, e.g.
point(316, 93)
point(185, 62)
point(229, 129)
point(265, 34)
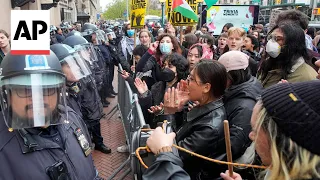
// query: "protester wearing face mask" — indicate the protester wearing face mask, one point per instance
point(174, 68)
point(126, 47)
point(152, 60)
point(285, 59)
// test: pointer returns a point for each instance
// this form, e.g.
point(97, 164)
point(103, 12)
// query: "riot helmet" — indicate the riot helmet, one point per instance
point(87, 34)
point(84, 49)
point(74, 33)
point(100, 37)
point(110, 34)
point(89, 26)
point(73, 66)
point(33, 91)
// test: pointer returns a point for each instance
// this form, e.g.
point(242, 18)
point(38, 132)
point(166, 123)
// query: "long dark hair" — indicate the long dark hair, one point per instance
point(176, 46)
point(294, 47)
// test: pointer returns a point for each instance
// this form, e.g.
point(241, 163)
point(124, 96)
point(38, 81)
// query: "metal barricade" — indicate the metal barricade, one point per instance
point(131, 116)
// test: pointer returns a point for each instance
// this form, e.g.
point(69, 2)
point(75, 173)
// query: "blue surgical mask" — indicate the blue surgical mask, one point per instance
point(165, 48)
point(130, 32)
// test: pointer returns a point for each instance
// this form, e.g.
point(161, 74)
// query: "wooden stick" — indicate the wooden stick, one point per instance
point(181, 33)
point(134, 46)
point(228, 146)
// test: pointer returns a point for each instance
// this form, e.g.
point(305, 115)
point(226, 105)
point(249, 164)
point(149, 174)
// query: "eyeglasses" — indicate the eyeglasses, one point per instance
point(275, 38)
point(25, 92)
point(190, 78)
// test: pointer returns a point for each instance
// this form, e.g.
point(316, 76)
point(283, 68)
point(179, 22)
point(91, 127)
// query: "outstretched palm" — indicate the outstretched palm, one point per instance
point(141, 85)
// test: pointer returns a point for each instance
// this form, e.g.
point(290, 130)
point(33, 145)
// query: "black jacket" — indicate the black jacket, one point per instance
point(166, 166)
point(239, 101)
point(203, 134)
point(54, 143)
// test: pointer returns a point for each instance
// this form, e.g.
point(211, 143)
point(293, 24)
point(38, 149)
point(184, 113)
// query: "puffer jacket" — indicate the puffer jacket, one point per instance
point(202, 133)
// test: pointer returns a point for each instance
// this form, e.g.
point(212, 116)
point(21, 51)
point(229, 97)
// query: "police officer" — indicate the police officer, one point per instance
point(74, 68)
point(91, 106)
point(111, 44)
point(41, 137)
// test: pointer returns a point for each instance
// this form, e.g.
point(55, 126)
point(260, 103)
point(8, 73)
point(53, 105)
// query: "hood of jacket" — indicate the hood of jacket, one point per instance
point(250, 89)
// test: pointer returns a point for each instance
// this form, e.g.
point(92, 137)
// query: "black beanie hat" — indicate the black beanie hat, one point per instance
point(296, 110)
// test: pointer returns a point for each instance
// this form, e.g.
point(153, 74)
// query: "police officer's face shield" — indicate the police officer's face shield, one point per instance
point(111, 36)
point(33, 100)
point(74, 67)
point(100, 37)
point(87, 52)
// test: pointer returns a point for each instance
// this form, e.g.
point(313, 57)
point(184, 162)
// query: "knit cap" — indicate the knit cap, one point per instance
point(296, 110)
point(234, 60)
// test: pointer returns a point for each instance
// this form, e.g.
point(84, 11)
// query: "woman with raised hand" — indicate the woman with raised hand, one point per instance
point(285, 129)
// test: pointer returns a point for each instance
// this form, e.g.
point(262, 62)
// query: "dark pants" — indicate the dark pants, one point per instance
point(111, 76)
point(95, 131)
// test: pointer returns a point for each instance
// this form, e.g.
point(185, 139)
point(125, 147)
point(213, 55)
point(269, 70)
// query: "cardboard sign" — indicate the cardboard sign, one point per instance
point(176, 19)
point(137, 13)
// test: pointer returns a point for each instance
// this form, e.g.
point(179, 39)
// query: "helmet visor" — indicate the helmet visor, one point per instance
point(32, 100)
point(111, 35)
point(75, 67)
point(100, 35)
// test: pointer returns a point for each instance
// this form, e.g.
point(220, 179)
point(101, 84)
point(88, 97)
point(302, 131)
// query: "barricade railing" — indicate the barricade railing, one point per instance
point(131, 116)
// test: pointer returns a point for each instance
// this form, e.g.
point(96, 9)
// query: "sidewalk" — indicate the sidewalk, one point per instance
point(113, 136)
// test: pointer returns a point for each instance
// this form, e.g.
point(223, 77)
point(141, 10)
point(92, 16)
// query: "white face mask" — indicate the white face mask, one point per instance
point(273, 48)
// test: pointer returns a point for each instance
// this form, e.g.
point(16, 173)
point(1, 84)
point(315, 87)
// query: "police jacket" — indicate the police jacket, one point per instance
point(113, 52)
point(202, 133)
point(74, 101)
point(53, 144)
point(91, 106)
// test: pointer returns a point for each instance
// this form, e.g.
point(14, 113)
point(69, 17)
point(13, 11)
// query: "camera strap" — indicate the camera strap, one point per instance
point(29, 142)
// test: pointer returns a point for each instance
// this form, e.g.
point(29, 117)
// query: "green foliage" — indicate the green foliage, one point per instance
point(115, 10)
point(155, 12)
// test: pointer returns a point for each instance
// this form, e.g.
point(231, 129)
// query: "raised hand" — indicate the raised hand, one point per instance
point(156, 109)
point(153, 47)
point(141, 85)
point(125, 74)
point(193, 105)
point(183, 92)
point(172, 103)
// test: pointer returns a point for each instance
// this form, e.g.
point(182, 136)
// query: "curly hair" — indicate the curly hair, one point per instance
point(181, 64)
